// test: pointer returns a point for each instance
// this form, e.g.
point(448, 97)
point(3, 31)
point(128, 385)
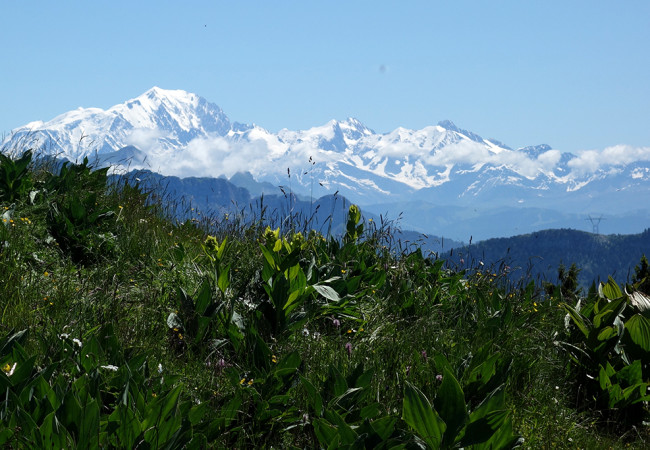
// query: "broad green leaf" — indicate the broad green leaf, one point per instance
point(370, 411)
point(314, 397)
point(384, 427)
point(579, 320)
point(418, 413)
point(610, 289)
point(604, 380)
point(288, 365)
point(327, 292)
point(638, 328)
point(631, 374)
point(223, 280)
point(129, 426)
point(270, 259)
point(326, 433)
point(203, 298)
point(345, 431)
point(450, 404)
point(502, 437)
point(7, 343)
point(337, 382)
point(609, 312)
point(52, 433)
point(89, 429)
point(607, 333)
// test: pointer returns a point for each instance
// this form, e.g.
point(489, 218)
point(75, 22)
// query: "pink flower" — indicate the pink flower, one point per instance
point(348, 348)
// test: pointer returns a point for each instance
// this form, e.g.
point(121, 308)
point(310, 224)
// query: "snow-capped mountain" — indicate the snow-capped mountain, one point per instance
point(174, 132)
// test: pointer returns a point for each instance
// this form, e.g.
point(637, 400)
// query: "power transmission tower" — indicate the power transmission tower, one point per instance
point(595, 221)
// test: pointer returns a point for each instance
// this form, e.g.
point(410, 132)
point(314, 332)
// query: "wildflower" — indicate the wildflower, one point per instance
point(336, 323)
point(342, 270)
point(121, 207)
point(222, 364)
point(424, 355)
point(250, 382)
point(154, 395)
point(110, 367)
point(305, 332)
point(348, 348)
point(242, 381)
point(438, 378)
point(160, 368)
point(274, 360)
point(9, 370)
point(46, 274)
point(76, 341)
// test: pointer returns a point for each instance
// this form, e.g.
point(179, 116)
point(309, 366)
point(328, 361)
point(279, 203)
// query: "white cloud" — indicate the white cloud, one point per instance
point(215, 156)
point(144, 138)
point(589, 161)
point(475, 154)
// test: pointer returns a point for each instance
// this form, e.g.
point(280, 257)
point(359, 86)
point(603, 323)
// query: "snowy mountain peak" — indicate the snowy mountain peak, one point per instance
point(451, 126)
point(175, 132)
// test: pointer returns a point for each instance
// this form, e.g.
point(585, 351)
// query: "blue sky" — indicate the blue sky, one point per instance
point(573, 74)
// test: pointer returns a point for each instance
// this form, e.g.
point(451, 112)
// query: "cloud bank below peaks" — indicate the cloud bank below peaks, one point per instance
point(590, 161)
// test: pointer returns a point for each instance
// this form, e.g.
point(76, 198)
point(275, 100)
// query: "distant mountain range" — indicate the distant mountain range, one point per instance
point(445, 180)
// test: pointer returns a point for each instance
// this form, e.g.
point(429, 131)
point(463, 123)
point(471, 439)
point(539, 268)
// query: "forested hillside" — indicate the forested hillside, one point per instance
point(538, 255)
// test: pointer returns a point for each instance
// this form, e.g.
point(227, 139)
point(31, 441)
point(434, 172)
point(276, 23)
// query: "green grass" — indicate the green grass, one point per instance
point(255, 338)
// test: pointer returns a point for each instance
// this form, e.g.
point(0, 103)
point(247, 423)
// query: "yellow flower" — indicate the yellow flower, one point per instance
point(242, 381)
point(153, 394)
point(6, 368)
point(274, 359)
point(121, 207)
point(46, 274)
point(250, 382)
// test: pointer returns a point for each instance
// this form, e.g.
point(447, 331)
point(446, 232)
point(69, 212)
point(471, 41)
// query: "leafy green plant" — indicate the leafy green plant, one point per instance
point(448, 423)
point(82, 398)
point(15, 176)
point(78, 225)
point(610, 347)
point(343, 415)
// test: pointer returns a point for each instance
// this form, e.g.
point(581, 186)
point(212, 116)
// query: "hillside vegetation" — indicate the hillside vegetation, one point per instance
point(122, 328)
point(538, 255)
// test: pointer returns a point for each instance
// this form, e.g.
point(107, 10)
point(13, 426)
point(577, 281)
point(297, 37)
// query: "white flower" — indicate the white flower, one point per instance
point(160, 369)
point(305, 332)
point(64, 336)
point(76, 341)
point(110, 367)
